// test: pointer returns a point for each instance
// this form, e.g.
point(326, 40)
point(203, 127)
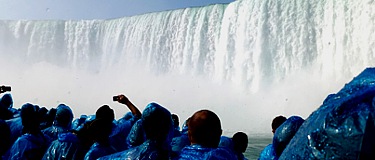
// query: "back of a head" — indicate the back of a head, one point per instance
point(30, 119)
point(105, 112)
point(205, 129)
point(176, 121)
point(101, 129)
point(51, 114)
point(285, 132)
point(240, 142)
point(156, 121)
point(6, 101)
point(64, 115)
point(276, 122)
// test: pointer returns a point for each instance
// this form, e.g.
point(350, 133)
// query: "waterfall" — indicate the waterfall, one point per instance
point(249, 60)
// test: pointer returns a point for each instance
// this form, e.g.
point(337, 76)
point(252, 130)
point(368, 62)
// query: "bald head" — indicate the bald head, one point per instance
point(205, 129)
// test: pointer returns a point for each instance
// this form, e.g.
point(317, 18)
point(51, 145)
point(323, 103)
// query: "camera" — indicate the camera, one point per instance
point(5, 89)
point(116, 98)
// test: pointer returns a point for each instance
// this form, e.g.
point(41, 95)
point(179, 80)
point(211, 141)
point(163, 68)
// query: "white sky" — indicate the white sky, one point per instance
point(90, 9)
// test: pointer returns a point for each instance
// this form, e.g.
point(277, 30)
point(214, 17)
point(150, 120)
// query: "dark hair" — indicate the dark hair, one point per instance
point(30, 119)
point(277, 121)
point(176, 122)
point(240, 142)
point(105, 112)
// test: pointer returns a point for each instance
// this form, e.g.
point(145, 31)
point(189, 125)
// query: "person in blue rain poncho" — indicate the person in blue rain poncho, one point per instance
point(62, 123)
point(122, 128)
point(240, 142)
point(136, 135)
point(101, 129)
point(78, 123)
point(176, 126)
point(204, 134)
point(32, 144)
point(178, 143)
point(342, 127)
point(6, 104)
point(284, 134)
point(269, 151)
point(15, 126)
point(71, 145)
point(157, 125)
point(4, 137)
point(227, 144)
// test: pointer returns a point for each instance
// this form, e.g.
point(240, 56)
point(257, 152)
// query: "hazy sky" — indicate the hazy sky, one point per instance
point(90, 9)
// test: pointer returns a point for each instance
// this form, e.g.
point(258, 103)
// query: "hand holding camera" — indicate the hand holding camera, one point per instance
point(5, 89)
point(121, 99)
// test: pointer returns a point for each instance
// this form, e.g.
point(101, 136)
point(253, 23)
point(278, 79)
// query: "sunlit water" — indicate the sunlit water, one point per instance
point(248, 61)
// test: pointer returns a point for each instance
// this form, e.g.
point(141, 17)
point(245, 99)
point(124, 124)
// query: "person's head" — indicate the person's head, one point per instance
point(51, 114)
point(204, 128)
point(101, 129)
point(6, 101)
point(240, 142)
point(43, 114)
point(276, 122)
point(64, 115)
point(176, 121)
point(105, 112)
point(156, 121)
point(30, 118)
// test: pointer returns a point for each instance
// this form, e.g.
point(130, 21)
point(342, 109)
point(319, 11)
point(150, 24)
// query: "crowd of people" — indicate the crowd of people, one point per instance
point(34, 132)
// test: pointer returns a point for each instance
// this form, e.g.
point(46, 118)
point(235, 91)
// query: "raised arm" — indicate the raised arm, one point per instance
point(124, 100)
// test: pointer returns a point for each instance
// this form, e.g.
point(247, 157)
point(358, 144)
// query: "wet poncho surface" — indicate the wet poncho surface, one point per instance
point(67, 146)
point(268, 153)
point(97, 150)
point(137, 135)
point(197, 152)
point(28, 146)
point(146, 151)
point(342, 128)
point(120, 132)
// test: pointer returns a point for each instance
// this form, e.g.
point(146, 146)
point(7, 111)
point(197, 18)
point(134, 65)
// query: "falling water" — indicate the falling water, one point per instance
point(248, 61)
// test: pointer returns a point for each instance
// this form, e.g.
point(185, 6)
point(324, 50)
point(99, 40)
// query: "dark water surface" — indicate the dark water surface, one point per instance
point(256, 145)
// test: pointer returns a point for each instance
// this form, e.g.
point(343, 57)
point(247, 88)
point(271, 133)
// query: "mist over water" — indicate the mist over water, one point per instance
point(248, 61)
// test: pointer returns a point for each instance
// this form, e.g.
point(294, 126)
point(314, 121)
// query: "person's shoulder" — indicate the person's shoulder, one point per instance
point(267, 153)
point(120, 155)
point(194, 152)
point(222, 153)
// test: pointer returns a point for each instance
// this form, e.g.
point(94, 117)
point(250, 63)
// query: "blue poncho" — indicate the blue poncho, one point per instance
point(67, 146)
point(342, 128)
